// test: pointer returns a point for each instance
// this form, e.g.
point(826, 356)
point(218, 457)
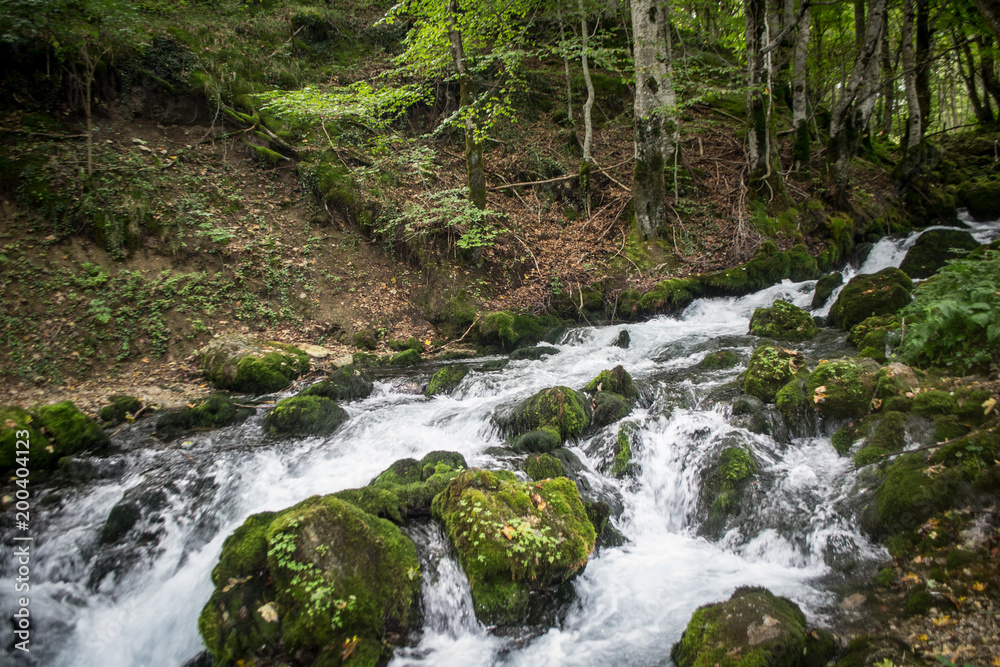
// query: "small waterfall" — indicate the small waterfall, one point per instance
point(126, 594)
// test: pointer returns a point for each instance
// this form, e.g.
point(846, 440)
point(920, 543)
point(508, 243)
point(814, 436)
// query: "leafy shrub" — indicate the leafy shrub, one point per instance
point(954, 320)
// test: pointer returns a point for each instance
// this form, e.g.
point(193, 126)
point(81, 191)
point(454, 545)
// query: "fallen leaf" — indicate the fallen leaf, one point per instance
point(269, 612)
point(235, 582)
point(988, 405)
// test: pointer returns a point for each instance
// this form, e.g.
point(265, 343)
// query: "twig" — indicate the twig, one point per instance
point(612, 178)
point(287, 40)
point(916, 449)
point(533, 258)
point(457, 340)
point(134, 417)
point(269, 404)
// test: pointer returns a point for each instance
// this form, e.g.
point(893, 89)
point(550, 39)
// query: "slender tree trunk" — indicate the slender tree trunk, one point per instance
point(852, 112)
point(569, 79)
point(889, 87)
point(983, 114)
point(925, 34)
point(987, 73)
point(588, 106)
point(990, 9)
point(914, 123)
point(467, 94)
point(648, 189)
point(800, 115)
point(671, 123)
point(765, 181)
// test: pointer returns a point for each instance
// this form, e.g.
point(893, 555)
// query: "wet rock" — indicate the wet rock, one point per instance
point(723, 484)
point(622, 340)
point(405, 358)
point(617, 381)
point(872, 335)
point(291, 585)
point(509, 330)
point(552, 415)
point(982, 198)
point(872, 294)
point(754, 627)
point(719, 360)
point(535, 353)
point(825, 287)
point(19, 425)
point(793, 404)
point(607, 408)
point(933, 249)
point(245, 364)
point(120, 409)
point(783, 321)
point(445, 380)
point(365, 340)
point(769, 370)
point(542, 466)
point(518, 543)
point(347, 383)
point(841, 389)
point(622, 464)
point(405, 490)
point(216, 411)
point(304, 415)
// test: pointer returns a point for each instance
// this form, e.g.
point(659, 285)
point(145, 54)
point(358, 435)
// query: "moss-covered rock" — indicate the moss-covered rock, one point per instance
point(723, 485)
point(622, 340)
point(306, 585)
point(908, 495)
point(405, 358)
point(216, 411)
point(871, 294)
point(304, 415)
point(617, 381)
point(405, 490)
point(841, 389)
point(934, 402)
point(241, 363)
point(445, 380)
point(365, 340)
point(509, 330)
point(769, 370)
point(719, 360)
point(347, 383)
point(793, 404)
point(783, 321)
point(874, 332)
point(607, 408)
point(72, 431)
point(825, 287)
point(559, 413)
point(933, 249)
point(669, 296)
point(982, 198)
point(17, 425)
point(515, 541)
point(119, 409)
point(752, 629)
point(621, 464)
point(535, 352)
point(542, 466)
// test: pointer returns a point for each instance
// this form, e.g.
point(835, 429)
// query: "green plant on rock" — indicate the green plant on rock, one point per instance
point(769, 370)
point(783, 321)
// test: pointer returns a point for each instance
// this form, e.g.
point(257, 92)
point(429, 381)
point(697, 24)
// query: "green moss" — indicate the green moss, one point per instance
point(120, 409)
point(908, 496)
point(365, 340)
point(723, 486)
point(769, 370)
point(622, 464)
point(559, 411)
point(982, 198)
point(304, 415)
point(328, 572)
point(719, 360)
point(538, 440)
point(872, 294)
point(919, 603)
point(825, 287)
point(534, 352)
point(404, 358)
point(669, 296)
point(608, 408)
point(886, 577)
point(873, 331)
point(72, 431)
point(792, 403)
point(347, 383)
point(244, 364)
point(617, 381)
point(933, 249)
point(510, 330)
point(513, 539)
point(17, 424)
point(445, 380)
point(934, 402)
point(754, 628)
point(783, 321)
point(948, 427)
point(844, 438)
point(840, 389)
point(868, 455)
point(542, 466)
point(216, 411)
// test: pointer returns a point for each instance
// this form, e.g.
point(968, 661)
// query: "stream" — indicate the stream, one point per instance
point(105, 600)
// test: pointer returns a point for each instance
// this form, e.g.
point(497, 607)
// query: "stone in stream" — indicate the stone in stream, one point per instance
point(871, 294)
point(519, 543)
point(347, 383)
point(314, 584)
point(119, 409)
point(842, 388)
point(53, 432)
point(933, 249)
point(622, 340)
point(542, 422)
point(751, 629)
point(245, 364)
point(824, 288)
point(216, 411)
point(304, 415)
point(534, 353)
point(722, 487)
point(445, 380)
point(783, 321)
point(770, 369)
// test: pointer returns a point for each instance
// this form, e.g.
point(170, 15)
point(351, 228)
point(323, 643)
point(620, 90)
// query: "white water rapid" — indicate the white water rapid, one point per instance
point(135, 602)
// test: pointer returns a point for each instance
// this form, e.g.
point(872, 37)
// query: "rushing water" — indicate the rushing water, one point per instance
point(134, 602)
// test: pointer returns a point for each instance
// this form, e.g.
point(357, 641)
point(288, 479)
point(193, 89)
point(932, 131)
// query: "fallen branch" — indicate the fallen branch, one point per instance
point(936, 445)
point(457, 340)
point(47, 135)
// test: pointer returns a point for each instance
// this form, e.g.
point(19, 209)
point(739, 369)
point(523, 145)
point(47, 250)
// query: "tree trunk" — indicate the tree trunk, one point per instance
point(914, 124)
point(983, 113)
point(588, 106)
point(889, 87)
point(651, 82)
point(800, 115)
point(467, 93)
point(987, 72)
point(925, 34)
point(852, 111)
point(569, 80)
point(765, 181)
point(990, 9)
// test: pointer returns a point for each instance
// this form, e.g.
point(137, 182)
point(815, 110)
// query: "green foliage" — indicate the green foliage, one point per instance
point(357, 103)
point(954, 320)
point(451, 214)
point(769, 370)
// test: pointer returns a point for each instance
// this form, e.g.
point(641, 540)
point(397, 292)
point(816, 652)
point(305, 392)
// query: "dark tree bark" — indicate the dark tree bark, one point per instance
point(765, 180)
point(925, 35)
point(467, 95)
point(990, 9)
point(800, 116)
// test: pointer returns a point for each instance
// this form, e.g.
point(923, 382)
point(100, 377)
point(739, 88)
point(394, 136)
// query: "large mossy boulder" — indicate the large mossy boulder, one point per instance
point(304, 415)
point(72, 431)
point(753, 628)
point(19, 425)
point(723, 486)
point(841, 389)
point(910, 493)
point(320, 583)
point(933, 249)
point(871, 294)
point(783, 321)
point(517, 542)
point(347, 383)
point(509, 330)
point(245, 364)
point(405, 490)
point(982, 198)
point(874, 333)
point(825, 287)
point(613, 396)
point(544, 421)
point(216, 411)
point(445, 380)
point(617, 381)
point(769, 370)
